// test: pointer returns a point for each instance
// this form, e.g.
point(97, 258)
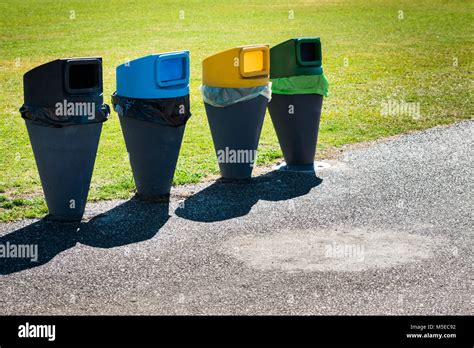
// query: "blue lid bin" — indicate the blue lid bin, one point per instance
point(152, 101)
point(63, 110)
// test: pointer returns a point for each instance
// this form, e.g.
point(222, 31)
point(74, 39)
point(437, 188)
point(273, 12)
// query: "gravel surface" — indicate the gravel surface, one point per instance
point(381, 230)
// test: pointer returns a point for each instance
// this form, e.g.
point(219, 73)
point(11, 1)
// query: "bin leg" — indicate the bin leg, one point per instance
point(153, 149)
point(296, 120)
point(65, 159)
point(236, 132)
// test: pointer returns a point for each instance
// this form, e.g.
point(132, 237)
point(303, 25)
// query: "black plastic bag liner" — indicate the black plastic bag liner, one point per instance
point(47, 116)
point(173, 112)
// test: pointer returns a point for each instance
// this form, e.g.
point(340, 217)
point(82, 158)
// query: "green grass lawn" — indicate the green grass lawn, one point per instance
point(369, 56)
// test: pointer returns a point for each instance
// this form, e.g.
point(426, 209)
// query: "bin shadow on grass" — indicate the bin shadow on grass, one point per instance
point(131, 222)
point(226, 199)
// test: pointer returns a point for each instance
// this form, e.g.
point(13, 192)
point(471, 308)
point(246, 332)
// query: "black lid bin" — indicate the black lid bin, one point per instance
point(152, 101)
point(63, 110)
point(298, 87)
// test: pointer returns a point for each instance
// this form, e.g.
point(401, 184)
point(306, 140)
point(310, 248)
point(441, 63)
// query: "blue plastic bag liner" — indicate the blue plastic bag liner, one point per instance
point(222, 97)
point(74, 114)
point(163, 75)
point(173, 112)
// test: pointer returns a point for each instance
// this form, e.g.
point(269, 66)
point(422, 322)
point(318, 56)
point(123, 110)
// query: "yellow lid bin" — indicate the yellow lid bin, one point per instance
point(239, 67)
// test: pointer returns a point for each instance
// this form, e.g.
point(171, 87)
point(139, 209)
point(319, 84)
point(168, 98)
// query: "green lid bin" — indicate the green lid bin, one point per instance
point(298, 87)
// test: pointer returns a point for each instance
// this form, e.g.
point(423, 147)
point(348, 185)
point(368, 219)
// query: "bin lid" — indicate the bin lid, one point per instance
point(161, 75)
point(70, 79)
point(294, 57)
point(239, 67)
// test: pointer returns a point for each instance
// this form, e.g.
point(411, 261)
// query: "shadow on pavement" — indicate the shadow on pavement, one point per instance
point(45, 238)
point(131, 222)
point(225, 199)
point(136, 221)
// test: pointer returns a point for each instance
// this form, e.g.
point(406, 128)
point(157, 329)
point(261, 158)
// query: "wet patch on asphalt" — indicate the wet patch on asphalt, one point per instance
point(338, 249)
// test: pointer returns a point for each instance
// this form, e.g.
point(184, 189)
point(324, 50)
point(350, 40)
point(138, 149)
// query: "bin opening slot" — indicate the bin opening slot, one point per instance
point(309, 52)
point(84, 76)
point(172, 69)
point(254, 62)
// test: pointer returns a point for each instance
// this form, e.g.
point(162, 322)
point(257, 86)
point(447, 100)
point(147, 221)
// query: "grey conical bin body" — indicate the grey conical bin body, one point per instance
point(237, 127)
point(65, 159)
point(297, 132)
point(153, 150)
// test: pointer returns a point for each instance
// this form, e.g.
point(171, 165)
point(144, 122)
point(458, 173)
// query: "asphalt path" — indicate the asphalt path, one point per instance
point(383, 229)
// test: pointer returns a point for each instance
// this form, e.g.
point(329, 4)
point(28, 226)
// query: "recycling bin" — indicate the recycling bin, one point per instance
point(63, 110)
point(152, 101)
point(298, 87)
point(236, 90)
